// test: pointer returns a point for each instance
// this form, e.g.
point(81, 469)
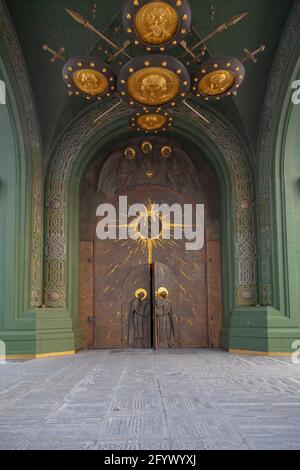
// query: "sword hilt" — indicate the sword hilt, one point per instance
point(56, 55)
point(252, 55)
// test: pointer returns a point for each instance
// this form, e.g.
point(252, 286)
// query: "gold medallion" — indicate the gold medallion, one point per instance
point(151, 122)
point(90, 81)
point(156, 23)
point(217, 82)
point(153, 86)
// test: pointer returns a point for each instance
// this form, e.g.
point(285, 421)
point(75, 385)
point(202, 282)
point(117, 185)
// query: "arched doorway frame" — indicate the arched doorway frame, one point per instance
point(77, 148)
point(23, 197)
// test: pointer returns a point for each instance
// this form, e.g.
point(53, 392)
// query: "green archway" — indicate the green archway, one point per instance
point(20, 201)
point(77, 148)
point(278, 175)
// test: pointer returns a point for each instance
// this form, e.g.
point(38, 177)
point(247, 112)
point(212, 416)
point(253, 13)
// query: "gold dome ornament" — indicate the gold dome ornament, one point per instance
point(218, 78)
point(89, 77)
point(152, 122)
point(154, 82)
point(157, 24)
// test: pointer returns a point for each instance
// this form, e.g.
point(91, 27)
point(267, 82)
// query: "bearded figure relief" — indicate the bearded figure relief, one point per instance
point(154, 88)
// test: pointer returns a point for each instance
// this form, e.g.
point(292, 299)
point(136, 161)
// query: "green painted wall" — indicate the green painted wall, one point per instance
point(31, 330)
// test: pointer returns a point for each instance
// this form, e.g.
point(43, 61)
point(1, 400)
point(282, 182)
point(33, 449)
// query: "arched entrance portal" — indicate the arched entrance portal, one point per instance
point(180, 301)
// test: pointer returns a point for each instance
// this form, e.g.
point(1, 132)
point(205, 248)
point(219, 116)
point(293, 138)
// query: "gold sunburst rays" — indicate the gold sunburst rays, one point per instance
point(147, 243)
point(183, 274)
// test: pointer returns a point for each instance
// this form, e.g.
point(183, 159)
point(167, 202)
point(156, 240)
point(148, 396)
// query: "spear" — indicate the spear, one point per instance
point(84, 22)
point(231, 22)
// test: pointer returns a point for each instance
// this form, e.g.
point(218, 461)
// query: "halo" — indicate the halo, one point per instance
point(89, 77)
point(157, 25)
point(154, 82)
point(218, 78)
point(166, 151)
point(161, 290)
point(141, 291)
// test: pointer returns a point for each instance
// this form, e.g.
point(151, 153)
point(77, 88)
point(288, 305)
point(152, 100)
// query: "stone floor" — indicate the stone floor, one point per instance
point(198, 399)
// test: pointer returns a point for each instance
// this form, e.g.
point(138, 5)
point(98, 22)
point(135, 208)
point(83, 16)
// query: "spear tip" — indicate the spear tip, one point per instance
point(236, 19)
point(76, 16)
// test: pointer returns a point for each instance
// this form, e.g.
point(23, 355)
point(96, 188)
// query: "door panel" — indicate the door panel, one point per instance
point(166, 307)
point(120, 269)
point(137, 312)
point(214, 289)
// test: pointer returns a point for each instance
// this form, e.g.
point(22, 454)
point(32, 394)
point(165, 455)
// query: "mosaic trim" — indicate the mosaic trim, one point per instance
point(244, 202)
point(65, 154)
point(9, 38)
point(276, 91)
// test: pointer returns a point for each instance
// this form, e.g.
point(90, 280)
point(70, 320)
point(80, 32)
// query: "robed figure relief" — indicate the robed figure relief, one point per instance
point(138, 320)
point(164, 320)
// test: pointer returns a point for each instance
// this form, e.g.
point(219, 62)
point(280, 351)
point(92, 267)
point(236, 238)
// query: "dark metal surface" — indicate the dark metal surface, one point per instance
point(158, 170)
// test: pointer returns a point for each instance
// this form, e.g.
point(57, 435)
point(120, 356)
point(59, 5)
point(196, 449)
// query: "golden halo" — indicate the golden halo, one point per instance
point(161, 290)
point(156, 23)
point(90, 81)
point(166, 151)
point(130, 153)
point(217, 82)
point(141, 291)
point(151, 122)
point(153, 86)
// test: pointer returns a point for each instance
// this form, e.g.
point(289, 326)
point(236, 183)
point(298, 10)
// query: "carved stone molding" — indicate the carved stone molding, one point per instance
point(276, 92)
point(8, 38)
point(243, 188)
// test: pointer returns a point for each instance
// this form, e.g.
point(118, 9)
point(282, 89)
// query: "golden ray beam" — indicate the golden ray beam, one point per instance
point(191, 108)
point(108, 111)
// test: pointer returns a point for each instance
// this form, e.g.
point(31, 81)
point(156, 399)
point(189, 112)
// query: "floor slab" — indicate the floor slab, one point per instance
point(192, 399)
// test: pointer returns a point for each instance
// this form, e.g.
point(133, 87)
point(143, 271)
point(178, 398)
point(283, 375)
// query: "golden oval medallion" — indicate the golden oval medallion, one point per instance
point(90, 81)
point(151, 122)
point(153, 86)
point(217, 82)
point(156, 23)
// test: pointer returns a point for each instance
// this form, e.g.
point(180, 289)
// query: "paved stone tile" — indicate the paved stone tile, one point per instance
point(168, 400)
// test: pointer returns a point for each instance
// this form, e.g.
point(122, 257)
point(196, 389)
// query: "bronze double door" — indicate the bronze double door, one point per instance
point(162, 304)
point(150, 319)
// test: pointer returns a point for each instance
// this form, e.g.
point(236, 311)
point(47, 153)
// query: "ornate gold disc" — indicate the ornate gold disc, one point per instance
point(141, 291)
point(162, 290)
point(90, 81)
point(156, 23)
point(151, 122)
point(153, 86)
point(217, 82)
